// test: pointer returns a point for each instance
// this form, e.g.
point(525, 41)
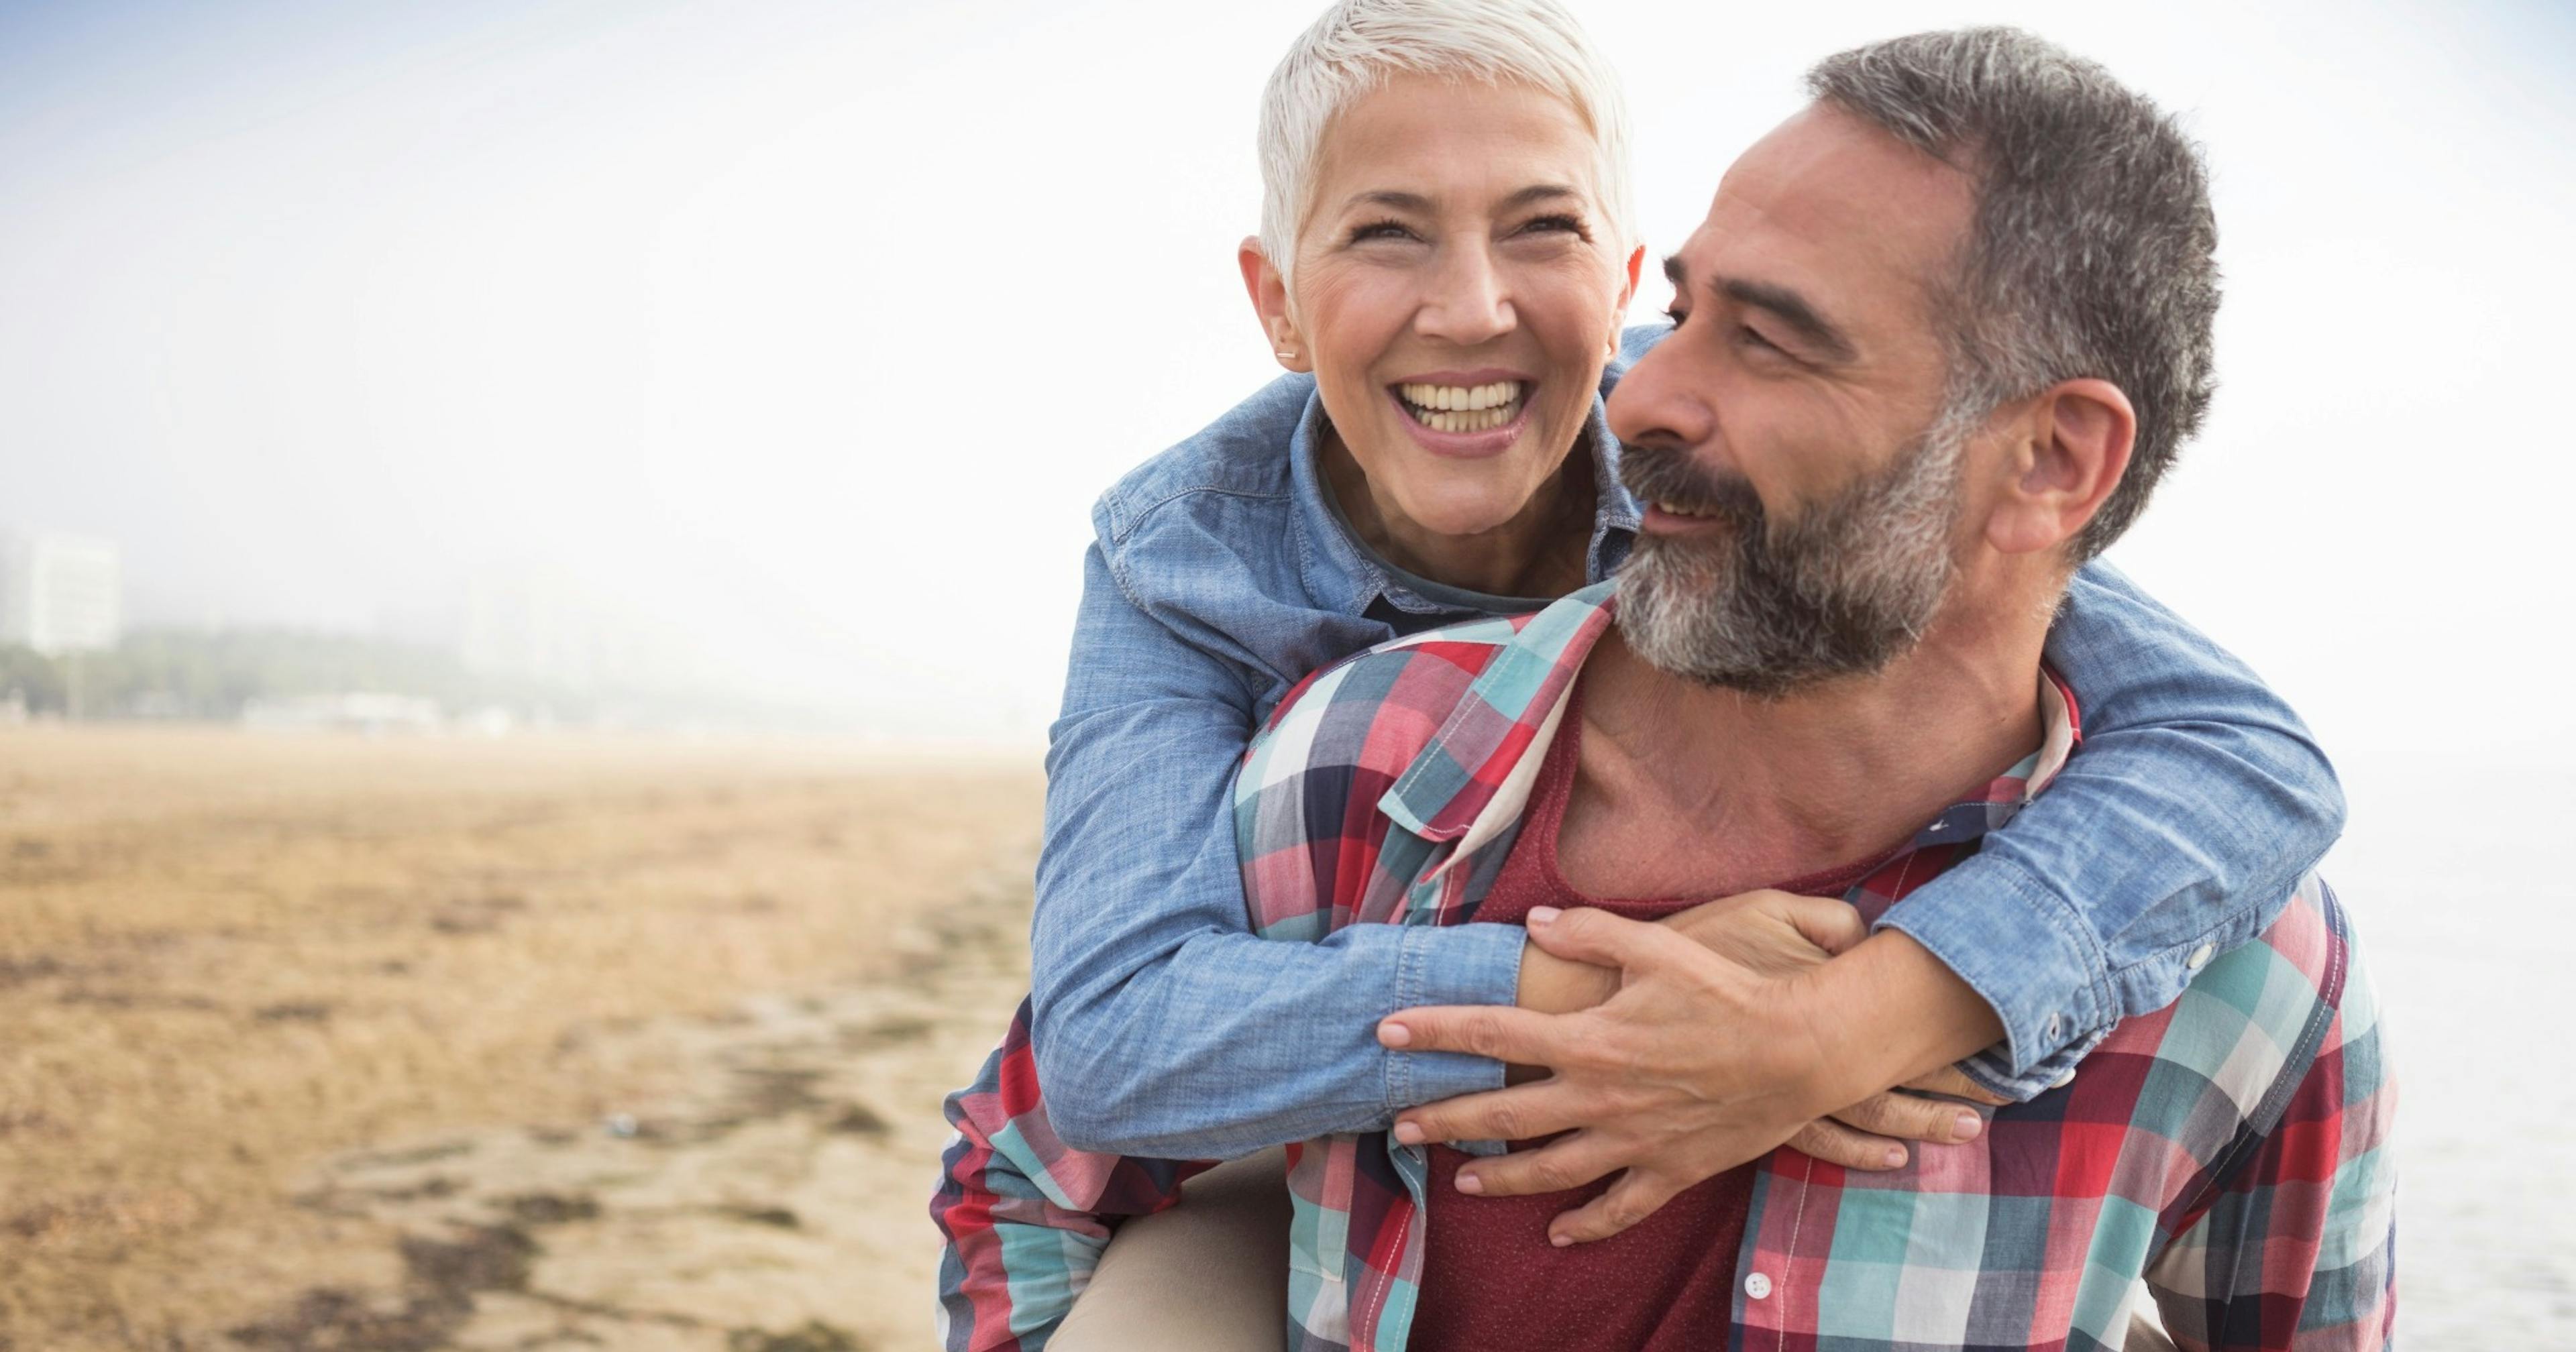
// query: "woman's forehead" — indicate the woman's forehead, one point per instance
point(1426, 143)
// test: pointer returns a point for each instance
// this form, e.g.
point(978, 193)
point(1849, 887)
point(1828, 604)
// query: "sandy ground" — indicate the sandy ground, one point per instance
point(336, 1045)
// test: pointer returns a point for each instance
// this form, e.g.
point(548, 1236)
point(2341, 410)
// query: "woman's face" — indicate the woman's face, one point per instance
point(1457, 291)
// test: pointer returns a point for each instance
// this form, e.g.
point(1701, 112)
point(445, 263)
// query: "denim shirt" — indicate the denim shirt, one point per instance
point(1220, 575)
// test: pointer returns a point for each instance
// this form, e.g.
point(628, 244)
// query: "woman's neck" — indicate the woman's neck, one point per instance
point(1542, 551)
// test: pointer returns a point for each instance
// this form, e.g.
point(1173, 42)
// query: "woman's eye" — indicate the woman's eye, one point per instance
point(1572, 225)
point(1380, 230)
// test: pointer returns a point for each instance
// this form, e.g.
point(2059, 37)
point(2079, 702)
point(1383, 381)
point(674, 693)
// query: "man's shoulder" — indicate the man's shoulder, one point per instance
point(2255, 1019)
point(1378, 709)
point(1238, 462)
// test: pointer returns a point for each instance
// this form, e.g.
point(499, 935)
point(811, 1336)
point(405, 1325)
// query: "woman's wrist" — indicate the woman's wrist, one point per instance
point(1884, 1013)
point(1553, 985)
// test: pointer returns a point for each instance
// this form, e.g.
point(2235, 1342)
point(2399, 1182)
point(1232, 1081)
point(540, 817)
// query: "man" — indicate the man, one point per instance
point(1936, 340)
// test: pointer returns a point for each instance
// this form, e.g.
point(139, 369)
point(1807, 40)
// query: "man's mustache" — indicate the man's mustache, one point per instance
point(1661, 474)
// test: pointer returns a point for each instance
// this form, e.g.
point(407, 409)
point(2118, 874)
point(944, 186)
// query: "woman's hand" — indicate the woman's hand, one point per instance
point(1698, 1058)
point(1870, 1135)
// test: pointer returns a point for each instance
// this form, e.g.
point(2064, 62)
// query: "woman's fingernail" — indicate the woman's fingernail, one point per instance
point(1394, 1034)
point(1408, 1133)
point(1469, 1183)
point(1540, 915)
point(1895, 1156)
point(1969, 1125)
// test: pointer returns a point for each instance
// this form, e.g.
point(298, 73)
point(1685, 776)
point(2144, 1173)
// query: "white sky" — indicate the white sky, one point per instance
point(812, 330)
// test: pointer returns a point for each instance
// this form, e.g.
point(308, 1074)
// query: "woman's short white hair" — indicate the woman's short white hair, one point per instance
point(1357, 44)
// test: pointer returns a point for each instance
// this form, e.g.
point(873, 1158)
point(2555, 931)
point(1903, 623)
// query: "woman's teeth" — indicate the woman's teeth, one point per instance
point(1463, 408)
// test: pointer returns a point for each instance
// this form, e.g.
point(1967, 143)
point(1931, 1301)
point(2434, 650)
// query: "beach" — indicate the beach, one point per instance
point(400, 1044)
point(329, 1043)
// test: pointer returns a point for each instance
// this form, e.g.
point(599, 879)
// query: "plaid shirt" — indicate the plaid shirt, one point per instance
point(2230, 1148)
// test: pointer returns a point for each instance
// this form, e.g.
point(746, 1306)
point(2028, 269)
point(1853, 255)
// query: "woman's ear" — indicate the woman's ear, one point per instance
point(2075, 446)
point(1269, 293)
point(1627, 297)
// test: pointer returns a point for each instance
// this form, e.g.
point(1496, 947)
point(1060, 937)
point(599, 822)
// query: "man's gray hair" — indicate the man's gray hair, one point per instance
point(2091, 251)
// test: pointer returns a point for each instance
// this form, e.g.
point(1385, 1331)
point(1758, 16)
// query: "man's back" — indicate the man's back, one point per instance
point(2227, 1149)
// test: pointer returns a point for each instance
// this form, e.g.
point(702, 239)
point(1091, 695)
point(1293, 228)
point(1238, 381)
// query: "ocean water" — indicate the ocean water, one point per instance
point(2459, 884)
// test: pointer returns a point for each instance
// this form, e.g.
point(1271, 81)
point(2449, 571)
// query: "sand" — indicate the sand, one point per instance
point(328, 1043)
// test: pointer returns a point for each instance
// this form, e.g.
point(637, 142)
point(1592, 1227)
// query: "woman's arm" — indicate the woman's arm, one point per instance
point(2177, 832)
point(1163, 1025)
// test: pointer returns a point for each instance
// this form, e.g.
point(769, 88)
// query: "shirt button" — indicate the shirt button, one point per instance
point(1757, 1286)
point(2063, 1080)
point(2199, 957)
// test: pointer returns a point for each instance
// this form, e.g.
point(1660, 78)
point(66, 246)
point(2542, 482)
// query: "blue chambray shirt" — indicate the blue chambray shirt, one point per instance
point(1220, 575)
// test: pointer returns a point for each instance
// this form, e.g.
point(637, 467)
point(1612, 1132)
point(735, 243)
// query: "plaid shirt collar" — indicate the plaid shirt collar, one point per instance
point(1450, 793)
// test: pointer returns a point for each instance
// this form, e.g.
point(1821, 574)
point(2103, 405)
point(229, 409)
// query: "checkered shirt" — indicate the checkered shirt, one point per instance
point(2230, 1149)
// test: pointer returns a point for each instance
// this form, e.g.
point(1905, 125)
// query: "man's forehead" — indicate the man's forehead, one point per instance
point(1834, 206)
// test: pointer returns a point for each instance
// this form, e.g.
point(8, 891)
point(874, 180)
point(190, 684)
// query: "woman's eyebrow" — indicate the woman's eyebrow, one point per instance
point(1398, 200)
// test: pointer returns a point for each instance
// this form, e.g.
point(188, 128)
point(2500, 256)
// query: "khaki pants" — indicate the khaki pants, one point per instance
point(1211, 1274)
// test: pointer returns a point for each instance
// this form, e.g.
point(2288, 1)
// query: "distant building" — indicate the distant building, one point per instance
point(60, 593)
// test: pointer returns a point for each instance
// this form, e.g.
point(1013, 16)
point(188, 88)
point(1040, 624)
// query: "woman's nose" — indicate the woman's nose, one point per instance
point(1469, 302)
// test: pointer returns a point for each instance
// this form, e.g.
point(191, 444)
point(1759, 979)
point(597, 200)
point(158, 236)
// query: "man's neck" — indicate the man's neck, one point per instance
point(1685, 790)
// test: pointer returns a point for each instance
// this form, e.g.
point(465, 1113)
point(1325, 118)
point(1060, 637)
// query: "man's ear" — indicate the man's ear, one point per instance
point(1269, 293)
point(2074, 446)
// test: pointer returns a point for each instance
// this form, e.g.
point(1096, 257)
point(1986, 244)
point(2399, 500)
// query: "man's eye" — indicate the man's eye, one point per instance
point(1752, 337)
point(1676, 314)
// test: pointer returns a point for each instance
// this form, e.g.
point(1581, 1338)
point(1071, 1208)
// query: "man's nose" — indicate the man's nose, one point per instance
point(1654, 402)
point(1470, 302)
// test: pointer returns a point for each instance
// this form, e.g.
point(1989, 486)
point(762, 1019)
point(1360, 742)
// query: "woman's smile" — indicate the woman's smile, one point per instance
point(1464, 415)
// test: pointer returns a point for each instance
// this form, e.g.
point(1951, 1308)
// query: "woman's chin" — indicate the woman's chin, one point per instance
point(1464, 519)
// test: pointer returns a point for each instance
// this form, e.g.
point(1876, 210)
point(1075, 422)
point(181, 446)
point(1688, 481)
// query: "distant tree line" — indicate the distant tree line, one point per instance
point(196, 674)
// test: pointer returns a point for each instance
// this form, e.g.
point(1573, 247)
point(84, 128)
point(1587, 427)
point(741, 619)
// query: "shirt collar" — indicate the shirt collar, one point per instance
point(1472, 779)
point(2061, 731)
point(1347, 578)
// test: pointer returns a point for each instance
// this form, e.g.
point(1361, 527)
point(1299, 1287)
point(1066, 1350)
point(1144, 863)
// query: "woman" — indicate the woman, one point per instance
point(1446, 251)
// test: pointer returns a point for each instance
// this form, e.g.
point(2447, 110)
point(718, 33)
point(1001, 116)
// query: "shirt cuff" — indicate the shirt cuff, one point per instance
point(1451, 965)
point(2025, 952)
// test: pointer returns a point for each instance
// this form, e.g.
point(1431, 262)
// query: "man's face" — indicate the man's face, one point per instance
point(1802, 500)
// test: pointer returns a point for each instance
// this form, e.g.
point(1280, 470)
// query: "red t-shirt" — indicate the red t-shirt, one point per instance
point(1490, 1279)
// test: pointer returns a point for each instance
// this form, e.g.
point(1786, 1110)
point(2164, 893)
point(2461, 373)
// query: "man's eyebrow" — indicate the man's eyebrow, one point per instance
point(1779, 302)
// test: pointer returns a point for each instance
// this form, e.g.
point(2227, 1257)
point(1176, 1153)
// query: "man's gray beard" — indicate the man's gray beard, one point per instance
point(1840, 589)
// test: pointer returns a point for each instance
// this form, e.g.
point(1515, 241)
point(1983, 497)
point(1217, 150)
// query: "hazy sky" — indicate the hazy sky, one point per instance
point(811, 330)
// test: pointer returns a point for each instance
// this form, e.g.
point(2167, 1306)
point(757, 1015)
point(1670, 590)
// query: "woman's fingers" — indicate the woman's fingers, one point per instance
point(1948, 1080)
point(1830, 923)
point(1913, 1118)
point(1522, 1112)
point(1637, 1195)
point(1567, 1162)
point(1835, 1143)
